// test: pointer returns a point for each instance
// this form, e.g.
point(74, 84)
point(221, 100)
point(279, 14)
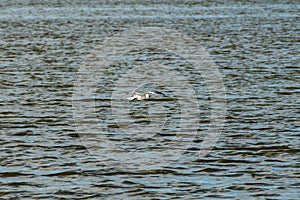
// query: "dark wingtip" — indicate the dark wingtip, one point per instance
point(158, 92)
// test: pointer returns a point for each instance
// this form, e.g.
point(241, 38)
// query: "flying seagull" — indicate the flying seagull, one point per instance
point(142, 96)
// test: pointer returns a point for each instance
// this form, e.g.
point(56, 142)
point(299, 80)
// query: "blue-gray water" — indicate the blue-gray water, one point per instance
point(256, 48)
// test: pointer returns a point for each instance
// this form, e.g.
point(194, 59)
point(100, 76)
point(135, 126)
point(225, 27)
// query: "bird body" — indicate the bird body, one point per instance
point(142, 96)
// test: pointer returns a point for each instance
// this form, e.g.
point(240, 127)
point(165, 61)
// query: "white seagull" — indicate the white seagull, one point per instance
point(143, 96)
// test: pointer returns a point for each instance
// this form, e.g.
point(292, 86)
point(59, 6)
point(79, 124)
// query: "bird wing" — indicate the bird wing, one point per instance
point(158, 92)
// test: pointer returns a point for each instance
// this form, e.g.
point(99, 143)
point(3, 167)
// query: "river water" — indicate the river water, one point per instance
point(45, 154)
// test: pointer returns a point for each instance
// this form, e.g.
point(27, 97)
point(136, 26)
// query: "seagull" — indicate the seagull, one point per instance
point(142, 96)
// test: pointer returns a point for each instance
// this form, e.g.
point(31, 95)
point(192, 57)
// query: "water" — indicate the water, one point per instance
point(256, 48)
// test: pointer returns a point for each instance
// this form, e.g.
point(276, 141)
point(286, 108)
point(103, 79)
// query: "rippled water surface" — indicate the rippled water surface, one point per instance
point(256, 48)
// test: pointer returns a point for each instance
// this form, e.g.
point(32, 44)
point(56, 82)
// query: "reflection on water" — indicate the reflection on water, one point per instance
point(256, 47)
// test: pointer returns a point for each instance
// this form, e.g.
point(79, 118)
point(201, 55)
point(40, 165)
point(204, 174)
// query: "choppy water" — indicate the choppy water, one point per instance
point(256, 47)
